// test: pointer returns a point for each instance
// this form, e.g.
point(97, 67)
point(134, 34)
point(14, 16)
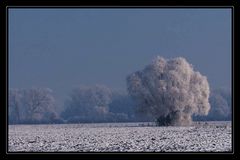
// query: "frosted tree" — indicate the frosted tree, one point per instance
point(14, 102)
point(220, 100)
point(38, 102)
point(170, 91)
point(88, 103)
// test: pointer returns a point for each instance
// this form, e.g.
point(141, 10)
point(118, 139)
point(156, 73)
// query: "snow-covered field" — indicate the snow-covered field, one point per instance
point(120, 137)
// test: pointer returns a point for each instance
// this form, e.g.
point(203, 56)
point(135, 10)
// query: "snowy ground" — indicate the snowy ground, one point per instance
point(120, 137)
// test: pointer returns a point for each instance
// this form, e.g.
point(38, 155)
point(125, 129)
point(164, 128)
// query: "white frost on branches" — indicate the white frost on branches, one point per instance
point(89, 102)
point(170, 90)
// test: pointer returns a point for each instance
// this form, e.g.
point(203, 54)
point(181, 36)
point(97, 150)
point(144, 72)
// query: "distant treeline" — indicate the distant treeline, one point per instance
point(92, 104)
point(221, 106)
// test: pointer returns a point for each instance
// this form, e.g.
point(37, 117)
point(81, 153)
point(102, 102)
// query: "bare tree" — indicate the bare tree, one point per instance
point(170, 90)
point(14, 101)
point(38, 101)
point(220, 100)
point(88, 103)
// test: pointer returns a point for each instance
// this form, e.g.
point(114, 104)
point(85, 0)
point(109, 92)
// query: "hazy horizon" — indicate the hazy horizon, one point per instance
point(64, 48)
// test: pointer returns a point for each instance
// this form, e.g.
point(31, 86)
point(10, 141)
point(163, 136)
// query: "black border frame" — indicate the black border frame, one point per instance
point(117, 4)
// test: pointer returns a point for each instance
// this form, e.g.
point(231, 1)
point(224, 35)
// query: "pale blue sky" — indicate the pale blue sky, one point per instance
point(62, 48)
